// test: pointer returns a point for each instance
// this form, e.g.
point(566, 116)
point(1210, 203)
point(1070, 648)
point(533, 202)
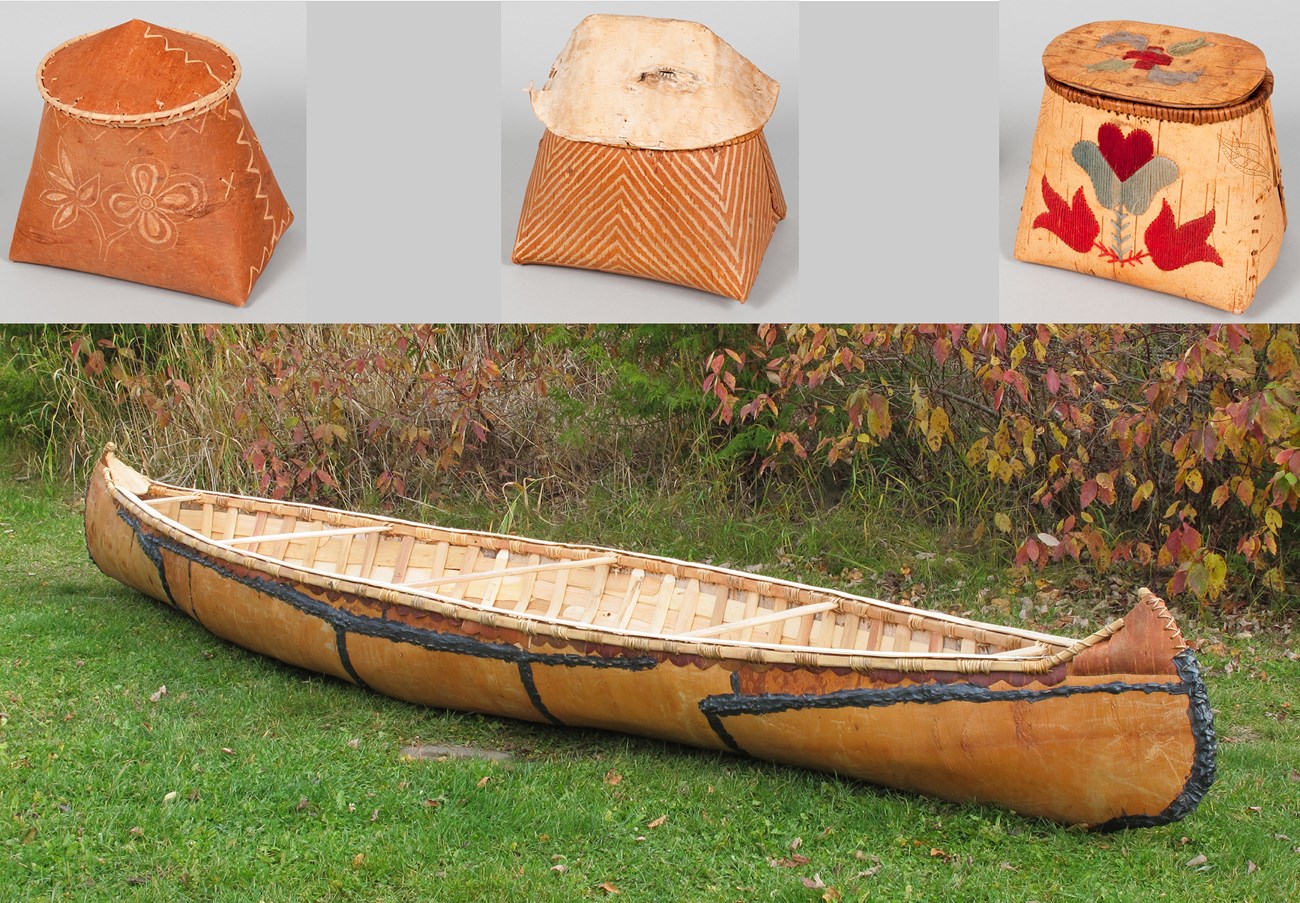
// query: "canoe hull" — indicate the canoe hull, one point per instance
point(1107, 749)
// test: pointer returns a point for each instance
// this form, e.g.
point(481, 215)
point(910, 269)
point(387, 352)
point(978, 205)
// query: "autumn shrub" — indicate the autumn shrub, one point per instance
point(1171, 449)
point(360, 414)
point(1177, 448)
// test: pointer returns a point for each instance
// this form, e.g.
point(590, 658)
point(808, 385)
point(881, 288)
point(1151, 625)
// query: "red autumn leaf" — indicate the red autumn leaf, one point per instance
point(1087, 493)
point(1173, 246)
point(1073, 223)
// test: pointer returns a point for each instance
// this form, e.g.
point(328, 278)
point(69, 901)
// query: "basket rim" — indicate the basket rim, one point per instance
point(1188, 115)
point(143, 120)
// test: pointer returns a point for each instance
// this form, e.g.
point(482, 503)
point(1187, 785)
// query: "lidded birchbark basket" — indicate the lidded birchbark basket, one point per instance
point(146, 167)
point(653, 162)
point(1155, 162)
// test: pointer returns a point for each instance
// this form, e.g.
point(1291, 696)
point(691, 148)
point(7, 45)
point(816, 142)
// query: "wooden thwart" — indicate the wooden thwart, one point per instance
point(307, 534)
point(511, 572)
point(166, 499)
point(769, 618)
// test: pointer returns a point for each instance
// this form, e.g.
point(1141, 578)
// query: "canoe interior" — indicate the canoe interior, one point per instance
point(579, 585)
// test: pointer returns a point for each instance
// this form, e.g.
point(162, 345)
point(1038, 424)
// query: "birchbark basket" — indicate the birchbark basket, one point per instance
point(653, 162)
point(146, 168)
point(1155, 162)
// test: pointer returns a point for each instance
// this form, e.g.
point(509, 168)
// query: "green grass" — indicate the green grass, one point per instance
point(273, 799)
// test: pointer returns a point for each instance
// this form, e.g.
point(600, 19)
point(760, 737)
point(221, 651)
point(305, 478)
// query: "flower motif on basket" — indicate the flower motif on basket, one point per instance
point(150, 202)
point(1149, 58)
point(67, 194)
point(1126, 175)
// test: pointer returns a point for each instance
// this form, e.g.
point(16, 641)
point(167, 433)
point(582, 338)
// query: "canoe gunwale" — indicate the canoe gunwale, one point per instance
point(576, 632)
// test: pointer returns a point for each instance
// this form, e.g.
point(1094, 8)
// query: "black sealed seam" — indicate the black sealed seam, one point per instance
point(150, 547)
point(716, 708)
point(341, 643)
point(530, 686)
point(927, 694)
point(382, 628)
point(1203, 758)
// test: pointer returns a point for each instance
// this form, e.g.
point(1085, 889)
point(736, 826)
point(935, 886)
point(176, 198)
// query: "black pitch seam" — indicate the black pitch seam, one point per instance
point(715, 708)
point(346, 622)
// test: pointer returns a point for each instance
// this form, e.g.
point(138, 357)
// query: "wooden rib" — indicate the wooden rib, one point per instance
point(596, 595)
point(526, 588)
point(630, 598)
point(345, 552)
point(287, 526)
point(720, 601)
point(690, 600)
point(874, 634)
point(849, 636)
point(372, 551)
point(769, 618)
point(403, 558)
point(232, 522)
point(511, 572)
point(902, 638)
point(804, 636)
point(456, 588)
point(316, 534)
point(498, 568)
point(439, 565)
point(663, 603)
point(167, 499)
point(936, 640)
point(259, 524)
point(557, 593)
point(310, 553)
point(750, 611)
point(205, 525)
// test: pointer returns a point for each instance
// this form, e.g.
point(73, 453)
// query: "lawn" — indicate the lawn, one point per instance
point(141, 757)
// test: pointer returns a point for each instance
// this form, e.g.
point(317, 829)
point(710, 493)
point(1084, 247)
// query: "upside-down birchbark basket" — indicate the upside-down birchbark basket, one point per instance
point(146, 167)
point(653, 162)
point(1155, 162)
point(1113, 730)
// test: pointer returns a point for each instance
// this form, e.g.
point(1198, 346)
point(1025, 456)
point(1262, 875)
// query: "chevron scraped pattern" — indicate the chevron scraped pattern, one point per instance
point(700, 218)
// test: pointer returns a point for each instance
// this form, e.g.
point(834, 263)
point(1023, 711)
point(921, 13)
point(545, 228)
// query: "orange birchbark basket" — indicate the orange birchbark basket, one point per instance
point(653, 163)
point(146, 168)
point(1155, 162)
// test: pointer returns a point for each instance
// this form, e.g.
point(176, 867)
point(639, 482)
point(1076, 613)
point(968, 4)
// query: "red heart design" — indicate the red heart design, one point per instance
point(1125, 155)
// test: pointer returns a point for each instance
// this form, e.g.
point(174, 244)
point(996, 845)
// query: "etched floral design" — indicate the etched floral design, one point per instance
point(151, 203)
point(67, 194)
point(1150, 58)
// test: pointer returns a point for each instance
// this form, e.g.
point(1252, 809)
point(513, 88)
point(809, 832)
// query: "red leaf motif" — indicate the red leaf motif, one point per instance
point(1126, 155)
point(1073, 223)
point(1173, 246)
point(1149, 58)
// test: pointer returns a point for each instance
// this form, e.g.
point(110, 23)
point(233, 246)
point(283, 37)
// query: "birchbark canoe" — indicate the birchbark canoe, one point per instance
point(1111, 731)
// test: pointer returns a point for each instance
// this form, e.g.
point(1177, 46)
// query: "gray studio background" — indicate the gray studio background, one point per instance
point(270, 41)
point(405, 161)
point(1031, 293)
point(898, 162)
point(532, 35)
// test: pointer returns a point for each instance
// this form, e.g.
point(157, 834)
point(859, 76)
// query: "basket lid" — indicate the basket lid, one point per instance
point(661, 84)
point(1156, 64)
point(137, 74)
